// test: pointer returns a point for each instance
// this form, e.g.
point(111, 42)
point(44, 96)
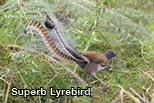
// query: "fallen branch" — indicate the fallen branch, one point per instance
point(145, 98)
point(119, 99)
point(121, 95)
point(136, 100)
point(50, 59)
point(148, 75)
point(8, 88)
point(137, 94)
point(115, 94)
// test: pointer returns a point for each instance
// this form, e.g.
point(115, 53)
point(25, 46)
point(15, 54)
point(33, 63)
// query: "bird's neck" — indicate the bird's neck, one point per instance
point(107, 55)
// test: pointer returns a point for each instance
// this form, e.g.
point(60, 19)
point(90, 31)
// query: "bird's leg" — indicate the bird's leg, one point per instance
point(99, 80)
point(105, 85)
point(88, 79)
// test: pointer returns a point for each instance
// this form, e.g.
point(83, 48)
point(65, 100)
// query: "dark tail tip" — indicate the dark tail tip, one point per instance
point(25, 31)
point(49, 24)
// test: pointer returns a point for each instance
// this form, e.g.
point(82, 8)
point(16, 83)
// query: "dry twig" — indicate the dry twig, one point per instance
point(115, 94)
point(8, 88)
point(21, 8)
point(121, 95)
point(148, 75)
point(127, 93)
point(50, 59)
point(137, 94)
point(116, 101)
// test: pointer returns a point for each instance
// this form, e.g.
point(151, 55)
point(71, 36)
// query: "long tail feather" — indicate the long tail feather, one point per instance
point(51, 46)
point(68, 48)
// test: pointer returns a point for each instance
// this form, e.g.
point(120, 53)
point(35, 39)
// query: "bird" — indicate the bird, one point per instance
point(90, 61)
point(97, 62)
point(94, 61)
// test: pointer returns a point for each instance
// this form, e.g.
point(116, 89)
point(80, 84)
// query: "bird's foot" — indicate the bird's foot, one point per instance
point(105, 87)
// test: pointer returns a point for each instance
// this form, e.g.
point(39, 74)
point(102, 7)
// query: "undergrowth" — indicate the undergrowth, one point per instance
point(122, 26)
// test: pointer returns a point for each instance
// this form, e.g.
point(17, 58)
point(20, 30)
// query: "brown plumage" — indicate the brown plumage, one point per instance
point(96, 57)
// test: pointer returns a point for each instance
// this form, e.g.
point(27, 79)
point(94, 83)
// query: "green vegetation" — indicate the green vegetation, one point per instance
point(125, 26)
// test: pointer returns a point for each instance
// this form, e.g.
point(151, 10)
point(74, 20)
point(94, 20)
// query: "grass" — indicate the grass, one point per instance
point(128, 29)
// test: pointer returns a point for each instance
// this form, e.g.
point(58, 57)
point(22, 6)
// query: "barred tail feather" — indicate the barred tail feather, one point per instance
point(51, 46)
point(67, 47)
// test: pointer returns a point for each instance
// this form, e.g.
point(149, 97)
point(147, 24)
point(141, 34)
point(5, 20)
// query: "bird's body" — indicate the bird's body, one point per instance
point(97, 62)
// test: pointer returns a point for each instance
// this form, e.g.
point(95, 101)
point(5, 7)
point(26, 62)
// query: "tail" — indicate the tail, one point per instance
point(67, 47)
point(49, 23)
point(47, 40)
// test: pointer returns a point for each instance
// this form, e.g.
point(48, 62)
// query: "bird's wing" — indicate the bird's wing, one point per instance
point(96, 57)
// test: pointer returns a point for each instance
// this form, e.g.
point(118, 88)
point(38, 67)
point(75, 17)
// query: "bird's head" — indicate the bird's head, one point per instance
point(110, 54)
